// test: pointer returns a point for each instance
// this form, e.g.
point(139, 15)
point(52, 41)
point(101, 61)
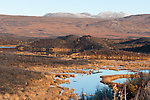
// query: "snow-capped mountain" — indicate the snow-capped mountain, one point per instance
point(87, 15)
point(111, 14)
point(77, 15)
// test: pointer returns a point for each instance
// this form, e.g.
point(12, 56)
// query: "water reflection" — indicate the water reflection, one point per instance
point(121, 80)
point(89, 83)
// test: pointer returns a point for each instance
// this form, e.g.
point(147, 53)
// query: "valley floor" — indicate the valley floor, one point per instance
point(27, 76)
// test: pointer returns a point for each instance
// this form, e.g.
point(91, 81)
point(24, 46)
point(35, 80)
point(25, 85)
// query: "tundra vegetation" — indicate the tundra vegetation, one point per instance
point(35, 69)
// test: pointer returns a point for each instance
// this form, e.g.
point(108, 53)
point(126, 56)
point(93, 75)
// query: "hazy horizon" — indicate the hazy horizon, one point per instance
point(40, 8)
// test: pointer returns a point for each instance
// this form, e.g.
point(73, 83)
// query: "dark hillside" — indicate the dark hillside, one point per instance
point(144, 40)
point(59, 42)
point(71, 42)
point(142, 49)
point(87, 42)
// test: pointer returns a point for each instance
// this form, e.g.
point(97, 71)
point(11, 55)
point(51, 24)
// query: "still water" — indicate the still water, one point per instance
point(6, 47)
point(89, 83)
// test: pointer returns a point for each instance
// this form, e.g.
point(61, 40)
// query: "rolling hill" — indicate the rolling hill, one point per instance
point(90, 46)
point(134, 26)
point(137, 45)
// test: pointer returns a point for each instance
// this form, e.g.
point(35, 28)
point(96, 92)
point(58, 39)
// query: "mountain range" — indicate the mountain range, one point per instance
point(104, 15)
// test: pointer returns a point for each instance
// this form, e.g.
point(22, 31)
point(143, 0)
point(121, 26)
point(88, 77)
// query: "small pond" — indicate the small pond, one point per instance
point(5, 47)
point(89, 83)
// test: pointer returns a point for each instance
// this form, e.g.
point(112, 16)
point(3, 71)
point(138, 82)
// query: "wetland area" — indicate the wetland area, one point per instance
point(33, 72)
point(68, 56)
point(88, 84)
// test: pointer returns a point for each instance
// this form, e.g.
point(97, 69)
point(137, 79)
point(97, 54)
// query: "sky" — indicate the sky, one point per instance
point(41, 7)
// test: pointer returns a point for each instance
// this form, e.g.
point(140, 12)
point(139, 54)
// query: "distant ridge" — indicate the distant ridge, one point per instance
point(134, 26)
point(87, 15)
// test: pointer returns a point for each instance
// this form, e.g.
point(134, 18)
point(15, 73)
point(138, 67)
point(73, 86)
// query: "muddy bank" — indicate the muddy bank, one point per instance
point(109, 78)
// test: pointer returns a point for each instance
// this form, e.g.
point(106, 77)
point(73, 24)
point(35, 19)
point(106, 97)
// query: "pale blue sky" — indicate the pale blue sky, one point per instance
point(41, 7)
